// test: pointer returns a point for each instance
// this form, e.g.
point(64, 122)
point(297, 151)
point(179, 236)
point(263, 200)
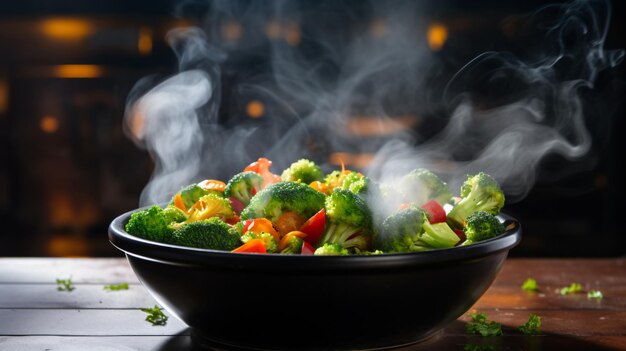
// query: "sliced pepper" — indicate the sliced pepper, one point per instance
point(212, 184)
point(260, 225)
point(178, 202)
point(307, 249)
point(319, 186)
point(252, 246)
point(314, 227)
point(285, 240)
point(262, 167)
point(436, 213)
point(288, 222)
point(236, 204)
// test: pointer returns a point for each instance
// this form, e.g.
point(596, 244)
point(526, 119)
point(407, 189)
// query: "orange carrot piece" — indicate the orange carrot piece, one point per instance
point(260, 225)
point(212, 184)
point(252, 246)
point(289, 222)
point(178, 202)
point(285, 240)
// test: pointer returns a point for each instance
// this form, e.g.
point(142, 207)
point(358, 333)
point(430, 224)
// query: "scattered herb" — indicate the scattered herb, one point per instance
point(532, 326)
point(155, 315)
point(530, 285)
point(123, 286)
point(595, 294)
point(572, 289)
point(65, 284)
point(481, 325)
point(474, 347)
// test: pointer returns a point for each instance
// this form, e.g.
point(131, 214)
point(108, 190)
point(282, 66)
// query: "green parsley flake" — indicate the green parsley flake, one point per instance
point(123, 286)
point(530, 285)
point(595, 294)
point(65, 284)
point(572, 289)
point(480, 325)
point(532, 326)
point(155, 315)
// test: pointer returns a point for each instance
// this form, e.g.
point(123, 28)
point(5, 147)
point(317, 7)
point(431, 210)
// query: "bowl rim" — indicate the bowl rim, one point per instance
point(182, 255)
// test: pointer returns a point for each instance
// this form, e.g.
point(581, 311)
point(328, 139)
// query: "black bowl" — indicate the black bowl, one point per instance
point(286, 302)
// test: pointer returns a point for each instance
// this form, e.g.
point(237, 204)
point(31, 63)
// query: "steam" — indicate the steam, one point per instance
point(502, 112)
point(166, 122)
point(509, 141)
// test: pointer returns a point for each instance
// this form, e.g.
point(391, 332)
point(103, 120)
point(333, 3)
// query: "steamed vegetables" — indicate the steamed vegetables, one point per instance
point(304, 211)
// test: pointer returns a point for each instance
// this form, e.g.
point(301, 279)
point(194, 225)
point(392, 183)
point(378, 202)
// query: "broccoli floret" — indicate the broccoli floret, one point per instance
point(208, 234)
point(349, 221)
point(361, 185)
point(481, 226)
point(208, 206)
point(173, 214)
point(270, 243)
point(350, 179)
point(302, 171)
point(421, 185)
point(330, 249)
point(480, 192)
point(401, 231)
point(337, 179)
point(409, 230)
point(333, 179)
point(191, 193)
point(438, 235)
point(276, 199)
point(294, 245)
point(370, 191)
point(243, 186)
point(153, 223)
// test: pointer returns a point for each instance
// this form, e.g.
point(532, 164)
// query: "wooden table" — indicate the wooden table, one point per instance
point(35, 316)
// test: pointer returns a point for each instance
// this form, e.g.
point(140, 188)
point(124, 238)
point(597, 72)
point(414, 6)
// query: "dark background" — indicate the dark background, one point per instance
point(67, 168)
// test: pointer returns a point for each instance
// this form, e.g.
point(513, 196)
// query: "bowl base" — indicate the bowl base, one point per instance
point(206, 343)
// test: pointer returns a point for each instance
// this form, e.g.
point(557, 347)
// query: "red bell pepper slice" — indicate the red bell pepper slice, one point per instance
point(262, 167)
point(307, 249)
point(314, 227)
point(232, 220)
point(435, 211)
point(236, 204)
point(461, 234)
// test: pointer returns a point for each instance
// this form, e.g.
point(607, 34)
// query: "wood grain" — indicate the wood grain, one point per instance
point(35, 316)
point(84, 296)
point(88, 322)
point(80, 270)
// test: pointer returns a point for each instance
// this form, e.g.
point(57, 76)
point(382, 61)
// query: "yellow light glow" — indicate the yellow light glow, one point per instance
point(49, 124)
point(372, 126)
point(232, 31)
point(347, 159)
point(378, 29)
point(4, 96)
point(77, 71)
point(255, 109)
point(67, 246)
point(437, 35)
point(293, 35)
point(144, 43)
point(70, 29)
point(273, 30)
